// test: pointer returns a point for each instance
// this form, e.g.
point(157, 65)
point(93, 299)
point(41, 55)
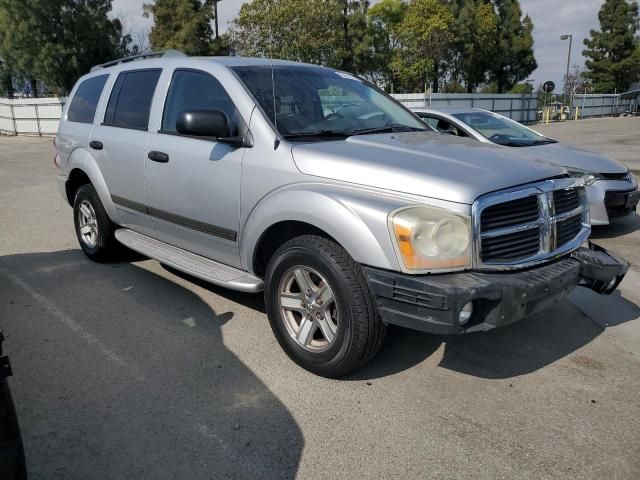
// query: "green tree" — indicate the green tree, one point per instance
point(425, 36)
point(302, 30)
point(384, 20)
point(474, 30)
point(613, 52)
point(182, 25)
point(58, 41)
point(356, 36)
point(522, 88)
point(513, 58)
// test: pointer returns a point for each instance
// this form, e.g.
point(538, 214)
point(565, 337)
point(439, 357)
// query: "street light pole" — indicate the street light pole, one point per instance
point(215, 13)
point(566, 78)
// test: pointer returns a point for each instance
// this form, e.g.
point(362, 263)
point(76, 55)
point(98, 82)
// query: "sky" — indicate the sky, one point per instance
point(551, 19)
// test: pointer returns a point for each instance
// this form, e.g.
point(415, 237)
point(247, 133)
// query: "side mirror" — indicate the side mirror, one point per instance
point(203, 123)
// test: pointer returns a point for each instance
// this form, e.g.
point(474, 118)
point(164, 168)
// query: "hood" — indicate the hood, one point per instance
point(422, 163)
point(575, 157)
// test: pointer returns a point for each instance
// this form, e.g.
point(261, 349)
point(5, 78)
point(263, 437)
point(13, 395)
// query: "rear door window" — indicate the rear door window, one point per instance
point(130, 101)
point(85, 101)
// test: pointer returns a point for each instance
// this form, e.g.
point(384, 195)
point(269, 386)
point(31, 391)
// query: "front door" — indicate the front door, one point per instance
point(193, 183)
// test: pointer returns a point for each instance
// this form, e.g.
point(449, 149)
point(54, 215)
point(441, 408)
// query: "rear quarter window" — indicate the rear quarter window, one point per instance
point(85, 101)
point(130, 100)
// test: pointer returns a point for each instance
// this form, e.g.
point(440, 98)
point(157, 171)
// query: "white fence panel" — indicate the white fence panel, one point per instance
point(522, 108)
point(30, 116)
point(40, 116)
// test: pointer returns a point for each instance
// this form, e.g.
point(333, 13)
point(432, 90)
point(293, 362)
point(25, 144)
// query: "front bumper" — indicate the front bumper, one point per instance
point(607, 200)
point(432, 303)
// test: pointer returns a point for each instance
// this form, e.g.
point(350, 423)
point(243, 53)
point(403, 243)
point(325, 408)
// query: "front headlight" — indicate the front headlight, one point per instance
point(589, 178)
point(430, 238)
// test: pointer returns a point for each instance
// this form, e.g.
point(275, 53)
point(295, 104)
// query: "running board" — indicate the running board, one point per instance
point(196, 265)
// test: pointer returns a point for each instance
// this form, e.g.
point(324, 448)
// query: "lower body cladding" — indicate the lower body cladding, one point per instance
point(477, 301)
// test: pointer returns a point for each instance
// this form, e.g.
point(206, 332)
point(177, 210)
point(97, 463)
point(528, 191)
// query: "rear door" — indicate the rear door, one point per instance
point(118, 143)
point(194, 190)
point(75, 128)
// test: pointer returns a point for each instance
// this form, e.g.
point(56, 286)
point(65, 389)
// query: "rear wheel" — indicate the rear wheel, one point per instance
point(320, 307)
point(94, 230)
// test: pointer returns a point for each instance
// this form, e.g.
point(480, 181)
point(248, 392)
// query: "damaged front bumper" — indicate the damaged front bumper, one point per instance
point(433, 303)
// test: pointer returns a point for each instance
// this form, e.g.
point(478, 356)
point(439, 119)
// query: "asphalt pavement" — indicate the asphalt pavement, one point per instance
point(131, 370)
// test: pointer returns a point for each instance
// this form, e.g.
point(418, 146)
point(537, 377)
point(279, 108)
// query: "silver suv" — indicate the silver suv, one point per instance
point(316, 187)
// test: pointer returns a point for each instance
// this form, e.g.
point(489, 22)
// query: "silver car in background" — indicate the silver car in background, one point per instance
point(611, 188)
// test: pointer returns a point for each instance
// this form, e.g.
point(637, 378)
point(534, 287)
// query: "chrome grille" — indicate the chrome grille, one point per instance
point(511, 246)
point(514, 212)
point(566, 200)
point(524, 226)
point(567, 229)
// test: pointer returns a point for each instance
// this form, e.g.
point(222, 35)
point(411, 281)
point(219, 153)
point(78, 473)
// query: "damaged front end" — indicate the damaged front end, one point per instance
point(600, 271)
point(477, 301)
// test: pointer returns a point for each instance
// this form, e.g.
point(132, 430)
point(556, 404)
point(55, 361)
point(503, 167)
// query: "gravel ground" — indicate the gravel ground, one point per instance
point(131, 370)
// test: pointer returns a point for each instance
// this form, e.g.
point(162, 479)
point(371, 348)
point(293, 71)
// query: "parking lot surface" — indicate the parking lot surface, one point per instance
point(132, 370)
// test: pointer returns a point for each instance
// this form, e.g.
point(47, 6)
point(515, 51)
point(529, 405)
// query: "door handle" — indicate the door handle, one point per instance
point(95, 144)
point(158, 156)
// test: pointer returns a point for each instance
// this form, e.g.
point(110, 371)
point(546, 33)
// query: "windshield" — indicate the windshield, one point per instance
point(319, 102)
point(502, 130)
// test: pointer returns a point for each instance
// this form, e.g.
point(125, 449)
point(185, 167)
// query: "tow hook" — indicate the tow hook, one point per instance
point(599, 270)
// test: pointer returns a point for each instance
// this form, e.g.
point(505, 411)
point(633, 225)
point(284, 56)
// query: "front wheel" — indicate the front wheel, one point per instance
point(320, 308)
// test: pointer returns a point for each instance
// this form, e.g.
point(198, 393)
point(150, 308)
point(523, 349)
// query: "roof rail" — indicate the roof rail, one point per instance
point(161, 53)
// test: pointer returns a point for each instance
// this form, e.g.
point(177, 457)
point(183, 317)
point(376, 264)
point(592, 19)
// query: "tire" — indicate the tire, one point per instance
point(103, 244)
point(336, 328)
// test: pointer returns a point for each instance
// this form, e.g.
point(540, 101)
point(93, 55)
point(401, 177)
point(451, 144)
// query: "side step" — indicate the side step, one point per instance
point(196, 265)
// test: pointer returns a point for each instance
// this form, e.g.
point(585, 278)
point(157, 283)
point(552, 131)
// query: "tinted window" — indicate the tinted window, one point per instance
point(192, 90)
point(84, 103)
point(130, 100)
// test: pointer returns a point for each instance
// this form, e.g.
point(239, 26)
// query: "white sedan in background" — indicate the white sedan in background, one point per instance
point(611, 188)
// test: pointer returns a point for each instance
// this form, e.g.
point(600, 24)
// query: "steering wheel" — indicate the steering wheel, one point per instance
point(498, 136)
point(333, 116)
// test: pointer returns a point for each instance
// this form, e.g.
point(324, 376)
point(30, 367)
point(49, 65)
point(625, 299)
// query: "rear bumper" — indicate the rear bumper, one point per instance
point(61, 181)
point(432, 303)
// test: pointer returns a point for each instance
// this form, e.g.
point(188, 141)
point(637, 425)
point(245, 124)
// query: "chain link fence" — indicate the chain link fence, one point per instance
point(40, 116)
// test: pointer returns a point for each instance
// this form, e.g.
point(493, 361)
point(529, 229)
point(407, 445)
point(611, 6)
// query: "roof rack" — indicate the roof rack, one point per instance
point(142, 56)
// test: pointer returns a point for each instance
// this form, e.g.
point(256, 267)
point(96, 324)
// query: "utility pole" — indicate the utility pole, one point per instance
point(566, 79)
point(215, 13)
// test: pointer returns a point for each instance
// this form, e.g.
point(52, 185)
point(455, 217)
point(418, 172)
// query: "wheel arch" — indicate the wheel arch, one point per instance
point(83, 169)
point(356, 222)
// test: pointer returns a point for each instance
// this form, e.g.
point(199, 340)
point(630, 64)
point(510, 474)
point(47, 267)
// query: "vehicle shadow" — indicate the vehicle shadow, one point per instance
point(130, 377)
point(254, 301)
point(517, 349)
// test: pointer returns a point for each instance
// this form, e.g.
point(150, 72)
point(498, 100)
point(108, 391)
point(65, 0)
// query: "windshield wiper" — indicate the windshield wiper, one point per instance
point(319, 133)
point(516, 144)
point(544, 142)
point(389, 127)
